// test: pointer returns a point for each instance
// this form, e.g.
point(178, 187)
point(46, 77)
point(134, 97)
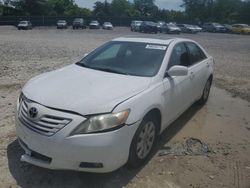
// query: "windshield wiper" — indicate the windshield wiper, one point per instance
point(109, 70)
point(82, 65)
point(101, 68)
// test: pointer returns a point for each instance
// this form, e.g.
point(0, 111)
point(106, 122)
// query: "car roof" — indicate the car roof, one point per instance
point(239, 25)
point(156, 40)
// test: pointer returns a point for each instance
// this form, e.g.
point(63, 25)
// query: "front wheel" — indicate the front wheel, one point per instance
point(143, 141)
point(206, 92)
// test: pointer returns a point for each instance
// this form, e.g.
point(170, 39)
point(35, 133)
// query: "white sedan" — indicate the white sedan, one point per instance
point(107, 109)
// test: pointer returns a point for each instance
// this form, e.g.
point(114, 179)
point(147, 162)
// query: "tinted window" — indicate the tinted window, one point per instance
point(179, 56)
point(129, 58)
point(195, 53)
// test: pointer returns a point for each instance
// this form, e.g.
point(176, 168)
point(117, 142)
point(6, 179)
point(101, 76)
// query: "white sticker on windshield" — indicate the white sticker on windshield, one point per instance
point(156, 47)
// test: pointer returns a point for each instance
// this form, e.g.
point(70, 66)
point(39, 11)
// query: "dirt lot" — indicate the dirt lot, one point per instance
point(224, 123)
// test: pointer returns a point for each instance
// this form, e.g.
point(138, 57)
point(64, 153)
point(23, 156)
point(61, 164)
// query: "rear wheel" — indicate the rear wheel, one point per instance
point(143, 141)
point(206, 92)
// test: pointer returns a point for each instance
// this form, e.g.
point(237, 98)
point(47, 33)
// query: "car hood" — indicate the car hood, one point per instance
point(173, 28)
point(82, 90)
point(22, 24)
point(220, 27)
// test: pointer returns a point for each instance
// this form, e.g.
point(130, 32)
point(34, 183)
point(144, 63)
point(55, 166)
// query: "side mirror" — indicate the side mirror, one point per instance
point(85, 55)
point(178, 70)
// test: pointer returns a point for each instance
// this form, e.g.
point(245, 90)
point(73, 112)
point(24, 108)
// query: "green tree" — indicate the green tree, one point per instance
point(119, 8)
point(199, 10)
point(102, 10)
point(30, 7)
point(244, 12)
point(147, 8)
point(226, 11)
point(1, 8)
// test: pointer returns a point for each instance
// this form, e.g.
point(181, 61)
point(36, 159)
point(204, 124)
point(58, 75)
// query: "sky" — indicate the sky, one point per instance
point(162, 4)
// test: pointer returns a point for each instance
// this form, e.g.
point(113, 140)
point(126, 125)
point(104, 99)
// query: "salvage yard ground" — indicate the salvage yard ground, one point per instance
point(224, 123)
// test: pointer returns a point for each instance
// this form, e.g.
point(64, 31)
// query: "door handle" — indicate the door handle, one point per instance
point(192, 75)
point(208, 65)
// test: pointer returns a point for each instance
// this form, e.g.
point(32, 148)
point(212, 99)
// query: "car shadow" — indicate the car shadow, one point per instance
point(27, 175)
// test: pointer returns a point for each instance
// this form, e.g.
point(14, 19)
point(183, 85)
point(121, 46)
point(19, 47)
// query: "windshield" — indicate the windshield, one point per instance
point(171, 25)
point(78, 20)
point(129, 58)
point(23, 22)
point(217, 25)
point(61, 21)
point(138, 22)
point(245, 26)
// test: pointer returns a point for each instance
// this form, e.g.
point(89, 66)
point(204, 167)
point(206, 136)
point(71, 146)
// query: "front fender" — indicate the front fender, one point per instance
point(141, 104)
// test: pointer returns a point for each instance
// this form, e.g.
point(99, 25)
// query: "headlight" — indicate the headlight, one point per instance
point(101, 123)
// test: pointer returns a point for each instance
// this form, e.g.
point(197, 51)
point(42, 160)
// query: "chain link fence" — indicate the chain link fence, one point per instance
point(52, 20)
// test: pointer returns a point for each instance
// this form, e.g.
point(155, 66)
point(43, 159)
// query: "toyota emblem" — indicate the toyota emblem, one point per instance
point(33, 112)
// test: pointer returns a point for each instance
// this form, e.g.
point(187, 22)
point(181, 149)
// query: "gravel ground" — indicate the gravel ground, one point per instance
point(223, 123)
point(44, 49)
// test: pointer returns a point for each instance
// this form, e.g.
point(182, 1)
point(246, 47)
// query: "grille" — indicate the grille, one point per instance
point(46, 124)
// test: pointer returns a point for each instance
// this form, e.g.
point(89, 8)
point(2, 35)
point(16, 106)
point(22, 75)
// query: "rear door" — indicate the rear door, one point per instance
point(198, 69)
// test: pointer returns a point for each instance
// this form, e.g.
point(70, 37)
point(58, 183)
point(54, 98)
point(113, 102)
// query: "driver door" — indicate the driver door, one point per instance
point(178, 89)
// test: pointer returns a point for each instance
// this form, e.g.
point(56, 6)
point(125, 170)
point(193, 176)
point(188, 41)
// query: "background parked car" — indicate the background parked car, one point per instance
point(159, 25)
point(94, 24)
point(241, 28)
point(171, 28)
point(185, 28)
point(24, 25)
point(135, 25)
point(107, 26)
point(79, 23)
point(228, 28)
point(148, 27)
point(62, 24)
point(214, 27)
point(197, 28)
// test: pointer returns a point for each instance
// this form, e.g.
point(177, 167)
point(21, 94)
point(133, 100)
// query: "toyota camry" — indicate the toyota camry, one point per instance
point(108, 109)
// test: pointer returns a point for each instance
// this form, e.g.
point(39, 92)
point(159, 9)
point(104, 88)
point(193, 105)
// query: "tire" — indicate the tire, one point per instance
point(143, 142)
point(206, 92)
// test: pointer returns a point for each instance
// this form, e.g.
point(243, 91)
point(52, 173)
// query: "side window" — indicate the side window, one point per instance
point(195, 53)
point(179, 56)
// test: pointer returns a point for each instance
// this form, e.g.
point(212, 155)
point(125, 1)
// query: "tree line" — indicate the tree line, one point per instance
point(194, 11)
